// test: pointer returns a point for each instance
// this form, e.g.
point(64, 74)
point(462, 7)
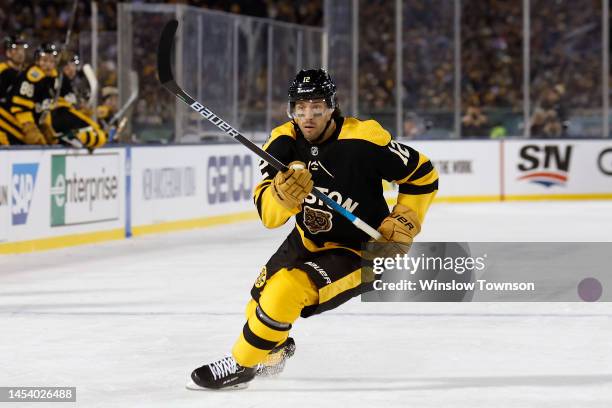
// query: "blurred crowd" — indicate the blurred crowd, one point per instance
point(565, 65)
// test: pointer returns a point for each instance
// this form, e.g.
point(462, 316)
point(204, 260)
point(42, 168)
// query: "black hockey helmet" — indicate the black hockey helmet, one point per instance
point(311, 84)
point(14, 41)
point(46, 48)
point(73, 57)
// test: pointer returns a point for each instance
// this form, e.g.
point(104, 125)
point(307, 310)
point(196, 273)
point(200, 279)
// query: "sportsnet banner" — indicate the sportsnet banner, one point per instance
point(556, 167)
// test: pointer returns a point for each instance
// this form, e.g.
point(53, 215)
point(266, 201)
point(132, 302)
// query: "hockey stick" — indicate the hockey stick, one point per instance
point(90, 75)
point(133, 96)
point(164, 71)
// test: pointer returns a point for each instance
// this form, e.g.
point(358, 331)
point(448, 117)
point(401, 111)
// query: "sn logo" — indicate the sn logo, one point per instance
point(23, 182)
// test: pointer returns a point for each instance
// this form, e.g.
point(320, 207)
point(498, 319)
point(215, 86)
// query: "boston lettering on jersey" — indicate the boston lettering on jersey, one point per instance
point(349, 167)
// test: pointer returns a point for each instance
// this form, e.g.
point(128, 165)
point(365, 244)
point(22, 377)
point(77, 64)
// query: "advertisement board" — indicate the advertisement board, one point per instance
point(174, 183)
point(570, 168)
point(60, 192)
point(4, 195)
point(468, 169)
point(50, 195)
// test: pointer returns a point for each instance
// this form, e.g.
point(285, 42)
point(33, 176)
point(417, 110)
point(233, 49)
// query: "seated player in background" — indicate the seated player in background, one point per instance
point(107, 109)
point(15, 50)
point(42, 121)
point(318, 266)
point(108, 106)
point(71, 115)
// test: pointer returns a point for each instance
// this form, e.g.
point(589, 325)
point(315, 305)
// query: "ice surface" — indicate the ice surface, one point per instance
point(125, 322)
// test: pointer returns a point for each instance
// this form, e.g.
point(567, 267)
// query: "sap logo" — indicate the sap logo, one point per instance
point(23, 182)
point(546, 165)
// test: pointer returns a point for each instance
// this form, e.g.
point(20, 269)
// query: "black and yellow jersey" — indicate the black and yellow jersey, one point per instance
point(349, 167)
point(32, 94)
point(8, 76)
point(67, 94)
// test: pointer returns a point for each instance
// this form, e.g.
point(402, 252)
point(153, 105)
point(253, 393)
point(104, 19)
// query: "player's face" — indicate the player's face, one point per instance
point(47, 63)
point(70, 70)
point(16, 55)
point(312, 116)
point(112, 101)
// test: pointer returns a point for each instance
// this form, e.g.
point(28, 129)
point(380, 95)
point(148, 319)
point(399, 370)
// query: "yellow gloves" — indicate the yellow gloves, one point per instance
point(32, 135)
point(291, 187)
point(401, 226)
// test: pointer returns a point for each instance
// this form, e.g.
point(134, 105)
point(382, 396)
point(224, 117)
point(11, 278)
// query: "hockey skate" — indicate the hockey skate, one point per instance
point(222, 374)
point(274, 363)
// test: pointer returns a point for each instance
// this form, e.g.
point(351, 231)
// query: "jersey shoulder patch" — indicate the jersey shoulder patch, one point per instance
point(3, 66)
point(368, 130)
point(286, 129)
point(35, 74)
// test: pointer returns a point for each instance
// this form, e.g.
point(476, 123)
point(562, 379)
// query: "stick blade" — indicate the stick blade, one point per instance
point(164, 52)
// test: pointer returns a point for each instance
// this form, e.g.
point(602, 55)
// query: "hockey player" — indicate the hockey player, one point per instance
point(33, 93)
point(69, 117)
point(109, 105)
point(15, 50)
point(317, 267)
point(32, 99)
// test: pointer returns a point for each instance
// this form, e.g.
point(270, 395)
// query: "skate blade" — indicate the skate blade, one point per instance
point(195, 387)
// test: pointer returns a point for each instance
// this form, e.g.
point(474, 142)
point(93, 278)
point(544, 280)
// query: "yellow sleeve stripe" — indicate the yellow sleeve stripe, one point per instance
point(422, 159)
point(24, 117)
point(8, 128)
point(430, 175)
point(8, 117)
point(18, 100)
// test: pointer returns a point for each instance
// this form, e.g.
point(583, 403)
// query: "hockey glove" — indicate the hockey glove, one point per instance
point(32, 135)
point(291, 187)
point(401, 226)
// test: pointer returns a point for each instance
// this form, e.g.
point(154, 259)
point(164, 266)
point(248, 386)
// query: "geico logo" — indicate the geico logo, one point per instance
point(604, 161)
point(229, 178)
point(81, 189)
point(348, 204)
point(168, 182)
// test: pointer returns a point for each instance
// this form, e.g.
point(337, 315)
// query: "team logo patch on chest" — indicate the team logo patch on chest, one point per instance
point(317, 220)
